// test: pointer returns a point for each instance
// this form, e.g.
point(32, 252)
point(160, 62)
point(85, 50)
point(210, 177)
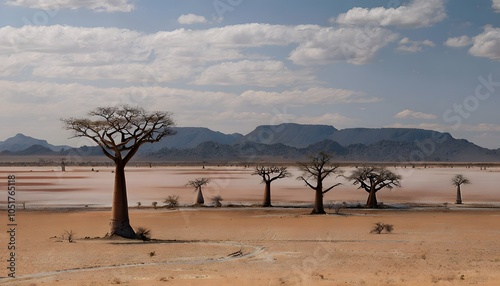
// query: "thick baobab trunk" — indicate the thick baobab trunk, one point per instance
point(199, 199)
point(372, 199)
point(120, 224)
point(267, 195)
point(318, 203)
point(459, 196)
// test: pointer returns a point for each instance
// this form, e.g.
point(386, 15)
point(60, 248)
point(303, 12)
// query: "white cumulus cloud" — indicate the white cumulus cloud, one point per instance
point(96, 5)
point(458, 42)
point(317, 95)
point(409, 46)
point(351, 44)
point(496, 6)
point(418, 13)
point(98, 53)
point(487, 44)
point(407, 113)
point(189, 19)
point(259, 73)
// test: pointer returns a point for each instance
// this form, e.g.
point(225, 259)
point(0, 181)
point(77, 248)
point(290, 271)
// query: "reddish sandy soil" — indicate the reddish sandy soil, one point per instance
point(252, 246)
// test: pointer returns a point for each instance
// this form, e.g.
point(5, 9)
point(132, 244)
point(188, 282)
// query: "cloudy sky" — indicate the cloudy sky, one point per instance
point(231, 65)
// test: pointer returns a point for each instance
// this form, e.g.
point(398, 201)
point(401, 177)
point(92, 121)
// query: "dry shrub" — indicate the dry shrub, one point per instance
point(171, 202)
point(217, 201)
point(143, 233)
point(68, 235)
point(381, 227)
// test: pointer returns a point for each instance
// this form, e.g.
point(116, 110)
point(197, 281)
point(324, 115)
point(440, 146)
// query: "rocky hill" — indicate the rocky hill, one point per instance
point(21, 142)
point(285, 142)
point(451, 150)
point(190, 137)
point(291, 134)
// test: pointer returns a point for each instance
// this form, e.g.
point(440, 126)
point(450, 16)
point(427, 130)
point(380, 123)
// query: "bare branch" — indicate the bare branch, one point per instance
point(375, 177)
point(199, 182)
point(121, 129)
point(271, 173)
point(459, 180)
point(330, 188)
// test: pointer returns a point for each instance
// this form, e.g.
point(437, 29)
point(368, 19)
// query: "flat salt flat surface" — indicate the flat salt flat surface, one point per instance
point(48, 186)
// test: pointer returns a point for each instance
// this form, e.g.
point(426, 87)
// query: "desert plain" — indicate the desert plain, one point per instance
point(434, 241)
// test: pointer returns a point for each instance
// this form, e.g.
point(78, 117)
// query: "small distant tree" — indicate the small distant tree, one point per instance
point(318, 169)
point(374, 179)
point(270, 174)
point(154, 204)
point(197, 184)
point(457, 181)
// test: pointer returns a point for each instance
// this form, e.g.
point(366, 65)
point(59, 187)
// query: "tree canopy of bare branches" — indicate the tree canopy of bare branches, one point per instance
point(268, 175)
point(374, 179)
point(459, 180)
point(318, 169)
point(121, 130)
point(197, 184)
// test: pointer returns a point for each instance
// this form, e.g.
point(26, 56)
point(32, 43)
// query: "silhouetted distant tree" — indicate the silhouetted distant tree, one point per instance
point(457, 181)
point(318, 169)
point(270, 174)
point(120, 132)
point(372, 180)
point(197, 184)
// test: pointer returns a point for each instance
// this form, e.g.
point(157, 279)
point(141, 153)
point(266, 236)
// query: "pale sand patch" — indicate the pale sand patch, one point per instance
point(268, 246)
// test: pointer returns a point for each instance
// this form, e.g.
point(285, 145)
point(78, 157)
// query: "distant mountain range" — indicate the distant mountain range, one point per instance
point(21, 143)
point(285, 142)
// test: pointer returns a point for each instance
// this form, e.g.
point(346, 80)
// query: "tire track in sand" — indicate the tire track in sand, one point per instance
point(229, 257)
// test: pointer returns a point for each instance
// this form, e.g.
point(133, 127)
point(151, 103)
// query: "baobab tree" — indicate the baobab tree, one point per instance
point(120, 132)
point(197, 184)
point(374, 179)
point(318, 169)
point(270, 174)
point(457, 181)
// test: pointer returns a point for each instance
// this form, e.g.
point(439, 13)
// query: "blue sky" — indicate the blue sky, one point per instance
point(231, 65)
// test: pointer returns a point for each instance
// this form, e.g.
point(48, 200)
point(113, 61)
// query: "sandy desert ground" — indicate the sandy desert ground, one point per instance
point(431, 245)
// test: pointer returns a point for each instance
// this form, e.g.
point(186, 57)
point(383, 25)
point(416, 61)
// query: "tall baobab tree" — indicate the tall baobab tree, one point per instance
point(270, 174)
point(457, 181)
point(318, 169)
point(374, 179)
point(197, 184)
point(120, 132)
